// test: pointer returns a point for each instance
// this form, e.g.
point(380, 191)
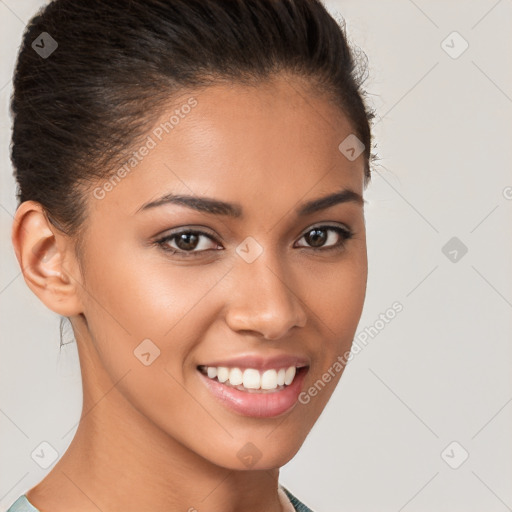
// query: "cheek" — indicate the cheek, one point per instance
point(132, 297)
point(337, 296)
point(148, 296)
point(335, 302)
point(134, 307)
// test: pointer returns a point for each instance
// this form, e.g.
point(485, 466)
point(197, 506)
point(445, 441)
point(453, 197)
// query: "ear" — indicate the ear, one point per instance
point(47, 260)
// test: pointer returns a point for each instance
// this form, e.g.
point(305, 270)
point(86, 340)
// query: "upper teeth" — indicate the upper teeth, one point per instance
point(252, 378)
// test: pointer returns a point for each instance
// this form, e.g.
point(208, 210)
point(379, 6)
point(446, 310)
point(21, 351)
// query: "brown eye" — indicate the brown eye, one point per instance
point(326, 237)
point(316, 237)
point(187, 243)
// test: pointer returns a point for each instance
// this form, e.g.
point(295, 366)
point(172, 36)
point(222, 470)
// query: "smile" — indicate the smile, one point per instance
point(251, 379)
point(257, 393)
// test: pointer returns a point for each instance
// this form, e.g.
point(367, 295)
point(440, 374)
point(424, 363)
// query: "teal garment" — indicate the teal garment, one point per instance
point(297, 505)
point(23, 505)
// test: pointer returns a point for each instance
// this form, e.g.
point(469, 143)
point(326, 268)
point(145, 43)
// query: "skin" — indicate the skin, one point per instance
point(152, 437)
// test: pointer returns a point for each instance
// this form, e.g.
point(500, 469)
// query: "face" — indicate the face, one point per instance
point(248, 278)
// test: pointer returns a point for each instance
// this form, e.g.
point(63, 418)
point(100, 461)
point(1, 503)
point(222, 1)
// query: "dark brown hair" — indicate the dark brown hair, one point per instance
point(78, 110)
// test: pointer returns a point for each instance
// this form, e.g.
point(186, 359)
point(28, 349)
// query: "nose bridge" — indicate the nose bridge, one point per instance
point(264, 299)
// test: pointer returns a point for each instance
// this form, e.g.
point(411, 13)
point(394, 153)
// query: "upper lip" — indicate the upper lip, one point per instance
point(259, 362)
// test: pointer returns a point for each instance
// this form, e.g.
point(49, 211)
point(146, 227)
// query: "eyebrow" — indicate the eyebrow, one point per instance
point(216, 207)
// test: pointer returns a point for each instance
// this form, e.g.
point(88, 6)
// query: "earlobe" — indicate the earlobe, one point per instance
point(46, 259)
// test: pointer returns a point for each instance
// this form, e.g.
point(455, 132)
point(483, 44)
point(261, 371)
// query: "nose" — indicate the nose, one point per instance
point(263, 302)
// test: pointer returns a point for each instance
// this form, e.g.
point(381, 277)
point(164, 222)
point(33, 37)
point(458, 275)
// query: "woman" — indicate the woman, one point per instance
point(190, 179)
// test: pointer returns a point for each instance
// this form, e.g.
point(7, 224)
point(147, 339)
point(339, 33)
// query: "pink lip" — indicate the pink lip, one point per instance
point(259, 405)
point(261, 363)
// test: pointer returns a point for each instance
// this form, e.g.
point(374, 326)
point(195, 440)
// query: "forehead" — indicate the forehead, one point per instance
point(275, 142)
point(274, 122)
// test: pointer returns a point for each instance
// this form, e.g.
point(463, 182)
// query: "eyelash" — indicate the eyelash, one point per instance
point(345, 234)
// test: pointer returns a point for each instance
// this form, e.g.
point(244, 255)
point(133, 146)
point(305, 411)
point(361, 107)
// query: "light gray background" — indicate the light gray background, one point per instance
point(440, 371)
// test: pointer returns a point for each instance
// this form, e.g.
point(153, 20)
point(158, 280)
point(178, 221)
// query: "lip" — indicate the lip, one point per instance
point(261, 363)
point(257, 405)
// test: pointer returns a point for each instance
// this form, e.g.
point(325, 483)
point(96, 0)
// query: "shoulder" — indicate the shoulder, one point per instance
point(22, 505)
point(297, 504)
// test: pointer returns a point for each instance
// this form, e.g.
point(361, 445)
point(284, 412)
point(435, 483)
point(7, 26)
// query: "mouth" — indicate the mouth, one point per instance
point(252, 380)
point(255, 393)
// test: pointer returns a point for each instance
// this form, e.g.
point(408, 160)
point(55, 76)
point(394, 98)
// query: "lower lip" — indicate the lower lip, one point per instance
point(258, 405)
